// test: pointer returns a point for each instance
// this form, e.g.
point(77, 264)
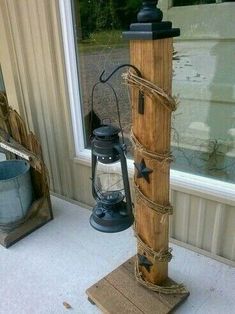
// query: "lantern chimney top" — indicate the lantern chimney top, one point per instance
point(107, 131)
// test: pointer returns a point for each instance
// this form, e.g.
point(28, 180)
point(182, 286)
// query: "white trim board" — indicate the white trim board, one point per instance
point(72, 73)
point(207, 188)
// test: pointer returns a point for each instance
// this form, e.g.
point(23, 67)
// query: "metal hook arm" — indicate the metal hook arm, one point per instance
point(141, 94)
point(102, 80)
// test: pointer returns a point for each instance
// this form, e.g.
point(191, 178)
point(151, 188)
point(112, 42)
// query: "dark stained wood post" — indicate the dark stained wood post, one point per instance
point(151, 51)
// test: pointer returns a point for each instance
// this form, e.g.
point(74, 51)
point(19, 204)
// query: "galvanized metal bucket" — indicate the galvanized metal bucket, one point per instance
point(16, 192)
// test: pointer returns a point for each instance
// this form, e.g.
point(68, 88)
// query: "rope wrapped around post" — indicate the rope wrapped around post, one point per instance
point(163, 158)
point(151, 90)
point(153, 205)
point(173, 289)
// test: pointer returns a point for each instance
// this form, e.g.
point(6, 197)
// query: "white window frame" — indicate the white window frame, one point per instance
point(181, 181)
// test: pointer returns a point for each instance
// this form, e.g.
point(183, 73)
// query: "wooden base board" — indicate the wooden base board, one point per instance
point(120, 293)
point(43, 215)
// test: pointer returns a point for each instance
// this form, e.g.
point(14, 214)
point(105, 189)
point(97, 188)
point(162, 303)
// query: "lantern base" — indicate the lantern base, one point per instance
point(111, 220)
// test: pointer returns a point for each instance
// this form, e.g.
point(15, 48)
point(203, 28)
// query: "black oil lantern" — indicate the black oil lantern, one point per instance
point(111, 190)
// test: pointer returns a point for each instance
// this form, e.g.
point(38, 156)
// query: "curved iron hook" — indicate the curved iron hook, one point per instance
point(115, 70)
point(117, 105)
point(141, 94)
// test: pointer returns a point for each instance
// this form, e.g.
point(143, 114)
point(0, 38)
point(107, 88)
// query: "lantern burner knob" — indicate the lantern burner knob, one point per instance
point(99, 213)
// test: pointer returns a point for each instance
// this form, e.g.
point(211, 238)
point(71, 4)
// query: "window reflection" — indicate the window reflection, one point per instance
point(203, 127)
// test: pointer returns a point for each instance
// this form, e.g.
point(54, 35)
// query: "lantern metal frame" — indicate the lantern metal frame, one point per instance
point(110, 215)
point(113, 215)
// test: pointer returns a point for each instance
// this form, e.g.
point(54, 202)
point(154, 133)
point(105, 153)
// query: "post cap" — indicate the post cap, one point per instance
point(150, 25)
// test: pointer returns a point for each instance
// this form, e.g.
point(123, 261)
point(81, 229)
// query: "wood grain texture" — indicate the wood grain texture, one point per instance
point(110, 300)
point(153, 129)
point(42, 214)
point(120, 293)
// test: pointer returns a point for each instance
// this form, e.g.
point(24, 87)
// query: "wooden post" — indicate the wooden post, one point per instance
point(152, 129)
point(119, 292)
point(153, 57)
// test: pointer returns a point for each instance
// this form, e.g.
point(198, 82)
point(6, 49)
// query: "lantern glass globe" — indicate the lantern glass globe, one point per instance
point(109, 185)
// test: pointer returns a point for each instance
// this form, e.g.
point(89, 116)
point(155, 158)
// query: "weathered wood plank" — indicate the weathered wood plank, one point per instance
point(41, 214)
point(170, 300)
point(119, 291)
point(15, 139)
point(110, 300)
point(125, 282)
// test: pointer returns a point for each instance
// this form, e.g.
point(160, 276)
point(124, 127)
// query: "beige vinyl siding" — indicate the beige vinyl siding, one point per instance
point(33, 68)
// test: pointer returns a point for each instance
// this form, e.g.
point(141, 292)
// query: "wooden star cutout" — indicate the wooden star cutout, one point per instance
point(143, 171)
point(143, 261)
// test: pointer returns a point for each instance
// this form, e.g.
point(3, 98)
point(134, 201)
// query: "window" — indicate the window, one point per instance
point(99, 25)
point(203, 128)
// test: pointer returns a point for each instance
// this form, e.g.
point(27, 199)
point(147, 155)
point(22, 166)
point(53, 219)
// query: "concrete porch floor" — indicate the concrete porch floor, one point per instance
point(59, 261)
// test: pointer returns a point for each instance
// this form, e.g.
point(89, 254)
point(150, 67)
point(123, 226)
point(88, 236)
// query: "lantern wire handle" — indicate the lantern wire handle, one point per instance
point(141, 94)
point(117, 106)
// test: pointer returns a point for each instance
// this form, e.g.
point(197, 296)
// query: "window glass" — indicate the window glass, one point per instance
point(203, 127)
point(99, 25)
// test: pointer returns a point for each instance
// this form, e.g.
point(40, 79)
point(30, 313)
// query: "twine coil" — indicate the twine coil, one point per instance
point(159, 157)
point(153, 205)
point(161, 256)
point(150, 89)
point(172, 289)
